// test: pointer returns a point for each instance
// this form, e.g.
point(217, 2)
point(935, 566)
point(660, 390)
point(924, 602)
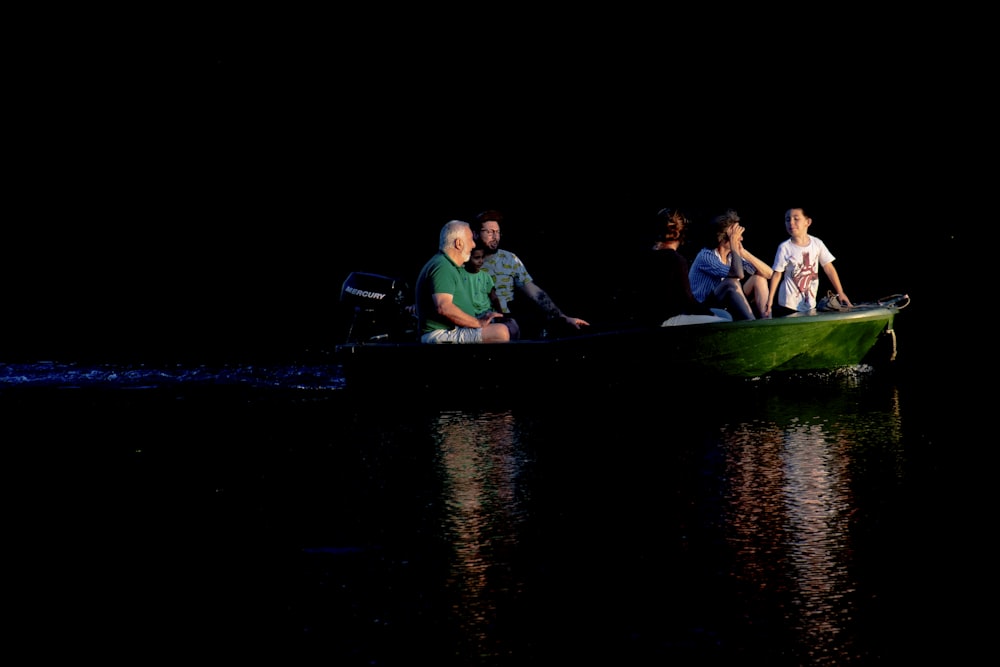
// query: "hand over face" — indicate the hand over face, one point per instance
point(736, 233)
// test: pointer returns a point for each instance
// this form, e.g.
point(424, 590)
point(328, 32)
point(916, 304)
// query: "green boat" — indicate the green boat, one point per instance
point(379, 354)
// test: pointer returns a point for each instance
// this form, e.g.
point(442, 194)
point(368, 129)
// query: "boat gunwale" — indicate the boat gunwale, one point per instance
point(863, 312)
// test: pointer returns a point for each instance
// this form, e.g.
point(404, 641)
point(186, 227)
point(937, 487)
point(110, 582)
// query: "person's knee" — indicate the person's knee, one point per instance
point(496, 333)
point(511, 324)
point(756, 283)
point(727, 289)
point(730, 295)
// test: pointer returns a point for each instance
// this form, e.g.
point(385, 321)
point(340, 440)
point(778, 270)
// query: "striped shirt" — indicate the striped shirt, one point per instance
point(708, 270)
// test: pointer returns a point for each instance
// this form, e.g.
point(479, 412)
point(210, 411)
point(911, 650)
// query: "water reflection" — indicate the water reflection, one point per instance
point(481, 463)
point(791, 511)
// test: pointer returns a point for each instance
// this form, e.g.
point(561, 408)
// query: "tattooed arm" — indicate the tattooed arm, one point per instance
point(544, 301)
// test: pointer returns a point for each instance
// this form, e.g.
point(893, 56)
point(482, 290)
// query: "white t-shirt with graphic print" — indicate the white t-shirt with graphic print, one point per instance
point(801, 265)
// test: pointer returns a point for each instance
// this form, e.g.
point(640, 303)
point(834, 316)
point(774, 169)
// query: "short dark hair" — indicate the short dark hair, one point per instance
point(485, 216)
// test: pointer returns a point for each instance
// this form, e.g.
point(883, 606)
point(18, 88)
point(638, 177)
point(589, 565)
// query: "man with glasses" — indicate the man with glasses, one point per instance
point(511, 277)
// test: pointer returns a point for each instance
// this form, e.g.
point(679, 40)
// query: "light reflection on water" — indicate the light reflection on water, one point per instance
point(480, 461)
point(791, 510)
point(766, 522)
point(785, 485)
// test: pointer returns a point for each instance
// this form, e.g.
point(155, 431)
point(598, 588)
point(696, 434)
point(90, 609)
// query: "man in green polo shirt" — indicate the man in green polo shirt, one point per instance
point(444, 299)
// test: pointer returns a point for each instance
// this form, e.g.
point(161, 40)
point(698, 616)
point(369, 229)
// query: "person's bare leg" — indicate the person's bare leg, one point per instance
point(730, 294)
point(756, 288)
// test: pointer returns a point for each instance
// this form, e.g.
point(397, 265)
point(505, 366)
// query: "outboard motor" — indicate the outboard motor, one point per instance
point(374, 308)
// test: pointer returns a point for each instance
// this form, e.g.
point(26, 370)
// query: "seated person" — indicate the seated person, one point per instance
point(728, 275)
point(537, 312)
point(484, 293)
point(663, 294)
point(444, 301)
point(795, 283)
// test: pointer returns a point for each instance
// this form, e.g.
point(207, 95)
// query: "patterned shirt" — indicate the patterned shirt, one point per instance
point(508, 272)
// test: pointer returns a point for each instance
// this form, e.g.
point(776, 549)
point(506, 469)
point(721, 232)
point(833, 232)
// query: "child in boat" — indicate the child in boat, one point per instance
point(484, 293)
point(795, 281)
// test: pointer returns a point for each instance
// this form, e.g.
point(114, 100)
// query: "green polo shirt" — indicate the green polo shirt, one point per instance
point(440, 275)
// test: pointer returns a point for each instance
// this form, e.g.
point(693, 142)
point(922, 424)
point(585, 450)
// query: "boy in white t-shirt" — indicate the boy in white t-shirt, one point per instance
point(795, 282)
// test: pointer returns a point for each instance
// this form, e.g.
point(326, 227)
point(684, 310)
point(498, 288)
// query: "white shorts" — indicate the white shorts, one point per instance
point(456, 335)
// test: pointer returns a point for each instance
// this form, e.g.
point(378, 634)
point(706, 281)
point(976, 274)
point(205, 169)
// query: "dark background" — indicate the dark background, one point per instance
point(203, 190)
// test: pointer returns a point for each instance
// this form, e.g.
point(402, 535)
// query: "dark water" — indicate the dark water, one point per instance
point(234, 512)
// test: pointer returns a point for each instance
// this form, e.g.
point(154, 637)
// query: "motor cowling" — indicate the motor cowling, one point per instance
point(374, 307)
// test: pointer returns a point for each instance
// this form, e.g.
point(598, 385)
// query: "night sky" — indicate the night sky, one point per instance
point(211, 191)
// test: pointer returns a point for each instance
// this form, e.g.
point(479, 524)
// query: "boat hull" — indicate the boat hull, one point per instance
point(743, 349)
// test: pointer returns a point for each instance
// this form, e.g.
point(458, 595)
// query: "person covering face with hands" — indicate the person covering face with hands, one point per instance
point(728, 275)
